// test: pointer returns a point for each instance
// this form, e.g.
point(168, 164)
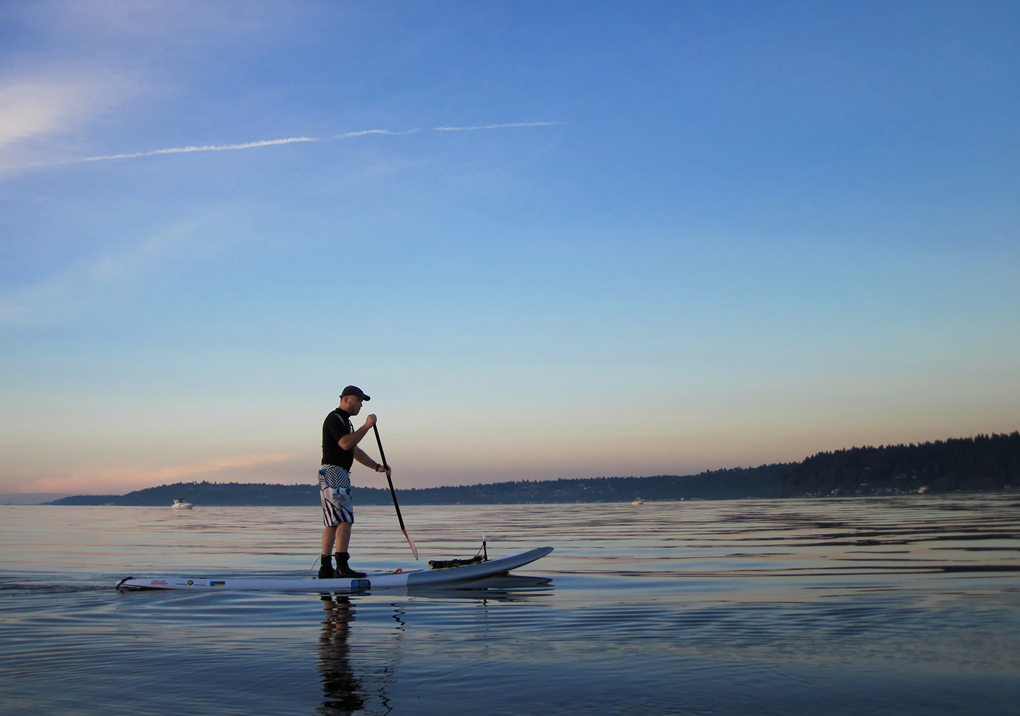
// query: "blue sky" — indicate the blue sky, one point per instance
point(550, 239)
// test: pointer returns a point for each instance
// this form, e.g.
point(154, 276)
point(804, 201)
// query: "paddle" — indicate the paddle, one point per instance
point(393, 494)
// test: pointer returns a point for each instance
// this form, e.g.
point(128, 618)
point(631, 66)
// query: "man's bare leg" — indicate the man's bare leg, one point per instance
point(343, 536)
point(328, 534)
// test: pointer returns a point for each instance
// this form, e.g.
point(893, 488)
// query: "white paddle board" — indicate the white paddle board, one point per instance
point(373, 580)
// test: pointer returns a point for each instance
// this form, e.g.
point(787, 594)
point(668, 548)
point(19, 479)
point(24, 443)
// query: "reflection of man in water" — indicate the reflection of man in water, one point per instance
point(339, 685)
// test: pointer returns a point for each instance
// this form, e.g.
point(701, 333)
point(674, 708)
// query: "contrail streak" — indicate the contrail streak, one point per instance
point(366, 132)
point(494, 126)
point(288, 140)
point(207, 148)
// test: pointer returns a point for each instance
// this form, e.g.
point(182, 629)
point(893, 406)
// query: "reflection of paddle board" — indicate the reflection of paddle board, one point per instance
point(377, 580)
point(505, 586)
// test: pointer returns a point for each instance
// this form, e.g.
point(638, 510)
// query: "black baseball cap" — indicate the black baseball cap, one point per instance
point(355, 391)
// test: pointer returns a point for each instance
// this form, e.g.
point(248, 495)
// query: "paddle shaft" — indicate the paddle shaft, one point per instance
point(393, 493)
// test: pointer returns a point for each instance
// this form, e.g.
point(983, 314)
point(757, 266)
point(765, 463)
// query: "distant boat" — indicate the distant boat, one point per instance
point(181, 505)
point(638, 501)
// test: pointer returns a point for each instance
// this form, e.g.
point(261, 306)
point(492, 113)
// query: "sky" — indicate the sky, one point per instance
point(569, 239)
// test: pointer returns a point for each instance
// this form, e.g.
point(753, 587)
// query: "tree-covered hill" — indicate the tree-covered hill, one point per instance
point(982, 463)
point(985, 462)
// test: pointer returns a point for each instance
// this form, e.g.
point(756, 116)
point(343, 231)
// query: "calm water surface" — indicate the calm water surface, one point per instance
point(879, 606)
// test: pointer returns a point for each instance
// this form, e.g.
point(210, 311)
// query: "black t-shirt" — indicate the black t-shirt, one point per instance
point(336, 425)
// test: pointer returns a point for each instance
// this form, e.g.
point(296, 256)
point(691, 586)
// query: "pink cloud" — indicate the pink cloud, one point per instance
point(129, 478)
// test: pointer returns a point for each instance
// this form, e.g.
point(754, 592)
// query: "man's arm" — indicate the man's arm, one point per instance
point(349, 440)
point(364, 458)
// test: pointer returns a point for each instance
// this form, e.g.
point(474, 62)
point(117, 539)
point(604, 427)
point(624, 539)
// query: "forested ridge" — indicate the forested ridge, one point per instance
point(978, 464)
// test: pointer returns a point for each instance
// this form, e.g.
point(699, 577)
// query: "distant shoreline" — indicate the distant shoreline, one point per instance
point(984, 463)
point(29, 498)
point(373, 503)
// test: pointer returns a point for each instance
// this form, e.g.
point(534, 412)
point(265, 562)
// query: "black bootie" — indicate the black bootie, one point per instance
point(326, 569)
point(342, 570)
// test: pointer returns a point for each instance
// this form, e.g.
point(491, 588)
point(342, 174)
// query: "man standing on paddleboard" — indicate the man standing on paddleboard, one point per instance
point(339, 451)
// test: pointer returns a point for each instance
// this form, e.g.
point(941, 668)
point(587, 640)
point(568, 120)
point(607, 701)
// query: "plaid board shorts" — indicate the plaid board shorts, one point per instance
point(335, 495)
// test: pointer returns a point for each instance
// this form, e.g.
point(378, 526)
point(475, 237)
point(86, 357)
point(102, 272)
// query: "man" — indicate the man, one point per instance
point(339, 451)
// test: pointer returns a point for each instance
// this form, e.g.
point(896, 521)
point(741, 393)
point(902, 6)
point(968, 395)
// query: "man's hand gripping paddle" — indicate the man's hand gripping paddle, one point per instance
point(393, 494)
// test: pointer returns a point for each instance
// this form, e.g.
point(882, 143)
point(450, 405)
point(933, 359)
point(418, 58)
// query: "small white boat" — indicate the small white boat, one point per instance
point(181, 505)
point(638, 501)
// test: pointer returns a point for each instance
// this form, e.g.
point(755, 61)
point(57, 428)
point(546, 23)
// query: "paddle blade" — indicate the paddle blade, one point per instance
point(414, 547)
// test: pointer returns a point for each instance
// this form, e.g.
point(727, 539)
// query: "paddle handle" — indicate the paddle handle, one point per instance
point(393, 493)
point(382, 453)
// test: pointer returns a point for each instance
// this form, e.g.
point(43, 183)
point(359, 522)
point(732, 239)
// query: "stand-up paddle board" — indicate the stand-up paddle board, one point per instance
point(377, 580)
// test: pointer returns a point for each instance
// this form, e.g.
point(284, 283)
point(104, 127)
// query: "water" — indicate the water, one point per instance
point(879, 606)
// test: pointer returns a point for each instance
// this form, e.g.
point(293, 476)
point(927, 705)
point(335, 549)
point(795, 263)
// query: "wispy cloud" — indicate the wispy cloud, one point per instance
point(288, 140)
point(28, 109)
point(31, 108)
